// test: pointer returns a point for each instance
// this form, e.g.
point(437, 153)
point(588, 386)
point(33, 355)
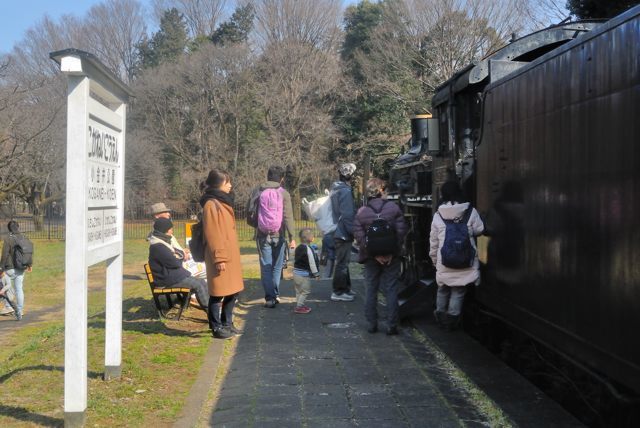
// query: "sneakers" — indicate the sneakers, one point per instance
point(277, 299)
point(6, 311)
point(18, 316)
point(236, 331)
point(222, 333)
point(344, 297)
point(270, 304)
point(351, 293)
point(302, 309)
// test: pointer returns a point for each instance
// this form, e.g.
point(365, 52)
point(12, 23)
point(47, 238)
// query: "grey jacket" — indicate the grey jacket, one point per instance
point(343, 209)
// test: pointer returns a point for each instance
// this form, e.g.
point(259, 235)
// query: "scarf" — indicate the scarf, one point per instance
point(162, 236)
point(211, 193)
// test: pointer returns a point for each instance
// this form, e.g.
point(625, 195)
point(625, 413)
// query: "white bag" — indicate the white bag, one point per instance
point(320, 210)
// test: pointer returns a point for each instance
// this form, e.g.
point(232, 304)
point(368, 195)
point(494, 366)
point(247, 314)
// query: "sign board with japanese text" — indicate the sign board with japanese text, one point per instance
point(96, 118)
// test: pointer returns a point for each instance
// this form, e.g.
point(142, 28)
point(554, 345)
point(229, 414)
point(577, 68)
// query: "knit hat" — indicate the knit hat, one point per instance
point(162, 225)
point(347, 169)
point(159, 208)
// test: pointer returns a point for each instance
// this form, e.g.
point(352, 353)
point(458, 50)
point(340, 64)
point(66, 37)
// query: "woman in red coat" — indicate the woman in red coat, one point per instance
point(222, 253)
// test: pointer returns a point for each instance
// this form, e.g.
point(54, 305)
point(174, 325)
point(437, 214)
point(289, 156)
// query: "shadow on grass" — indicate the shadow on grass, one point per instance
point(22, 413)
point(140, 315)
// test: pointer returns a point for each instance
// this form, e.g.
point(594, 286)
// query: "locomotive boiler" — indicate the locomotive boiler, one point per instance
point(543, 136)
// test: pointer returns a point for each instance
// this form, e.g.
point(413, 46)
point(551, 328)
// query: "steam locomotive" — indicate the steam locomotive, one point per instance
point(543, 136)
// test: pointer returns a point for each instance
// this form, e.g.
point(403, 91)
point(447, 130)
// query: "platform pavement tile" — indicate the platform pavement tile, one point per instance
point(390, 411)
point(262, 400)
point(426, 399)
point(272, 412)
point(278, 423)
point(334, 411)
point(373, 399)
point(381, 423)
point(278, 379)
point(232, 416)
point(277, 390)
point(241, 403)
point(315, 354)
point(430, 415)
point(335, 423)
point(355, 376)
point(324, 396)
point(367, 388)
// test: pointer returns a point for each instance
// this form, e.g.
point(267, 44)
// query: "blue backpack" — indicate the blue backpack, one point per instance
point(457, 251)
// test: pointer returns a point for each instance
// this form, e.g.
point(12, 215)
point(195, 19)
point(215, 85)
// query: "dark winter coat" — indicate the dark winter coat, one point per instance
point(165, 264)
point(343, 210)
point(365, 216)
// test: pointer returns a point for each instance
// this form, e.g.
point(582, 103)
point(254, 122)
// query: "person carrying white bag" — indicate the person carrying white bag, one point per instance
point(320, 211)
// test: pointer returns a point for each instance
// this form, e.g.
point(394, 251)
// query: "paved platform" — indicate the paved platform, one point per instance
point(324, 370)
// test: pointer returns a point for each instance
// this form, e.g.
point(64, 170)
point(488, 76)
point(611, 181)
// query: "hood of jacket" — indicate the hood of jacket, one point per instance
point(269, 185)
point(155, 240)
point(449, 211)
point(339, 185)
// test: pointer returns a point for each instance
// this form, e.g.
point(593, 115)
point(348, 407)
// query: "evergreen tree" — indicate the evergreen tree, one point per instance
point(237, 29)
point(168, 43)
point(591, 9)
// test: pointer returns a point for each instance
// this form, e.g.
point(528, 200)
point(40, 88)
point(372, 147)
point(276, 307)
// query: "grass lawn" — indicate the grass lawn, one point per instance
point(160, 358)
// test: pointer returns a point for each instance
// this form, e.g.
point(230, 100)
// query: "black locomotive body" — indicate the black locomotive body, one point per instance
point(543, 135)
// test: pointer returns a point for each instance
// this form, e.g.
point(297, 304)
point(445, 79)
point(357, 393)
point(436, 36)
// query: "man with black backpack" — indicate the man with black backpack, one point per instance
point(379, 229)
point(269, 210)
point(453, 252)
point(17, 258)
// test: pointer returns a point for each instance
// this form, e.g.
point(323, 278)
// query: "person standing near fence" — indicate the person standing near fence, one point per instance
point(344, 213)
point(222, 253)
point(269, 210)
point(10, 259)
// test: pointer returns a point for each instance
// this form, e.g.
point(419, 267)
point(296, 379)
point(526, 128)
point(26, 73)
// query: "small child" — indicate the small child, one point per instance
point(6, 293)
point(305, 266)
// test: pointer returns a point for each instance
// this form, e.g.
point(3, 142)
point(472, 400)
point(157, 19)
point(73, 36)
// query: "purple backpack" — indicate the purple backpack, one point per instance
point(270, 210)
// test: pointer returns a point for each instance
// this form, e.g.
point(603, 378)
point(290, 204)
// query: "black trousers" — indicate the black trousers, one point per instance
point(341, 277)
point(220, 311)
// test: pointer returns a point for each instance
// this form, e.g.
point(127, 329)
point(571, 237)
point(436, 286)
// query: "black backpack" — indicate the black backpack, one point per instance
point(196, 244)
point(22, 252)
point(457, 251)
point(380, 236)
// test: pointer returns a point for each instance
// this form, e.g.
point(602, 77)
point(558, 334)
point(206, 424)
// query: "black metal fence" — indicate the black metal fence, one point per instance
point(138, 222)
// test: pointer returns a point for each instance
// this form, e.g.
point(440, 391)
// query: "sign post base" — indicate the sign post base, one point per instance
point(112, 372)
point(74, 419)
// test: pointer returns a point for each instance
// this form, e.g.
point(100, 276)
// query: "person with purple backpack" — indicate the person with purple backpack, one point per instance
point(270, 212)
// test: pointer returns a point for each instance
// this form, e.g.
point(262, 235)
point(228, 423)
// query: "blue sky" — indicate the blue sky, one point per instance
point(17, 16)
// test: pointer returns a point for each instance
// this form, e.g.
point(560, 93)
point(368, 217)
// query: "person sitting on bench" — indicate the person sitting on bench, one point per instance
point(165, 262)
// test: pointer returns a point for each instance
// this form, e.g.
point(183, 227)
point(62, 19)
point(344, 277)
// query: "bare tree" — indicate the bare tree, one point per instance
point(297, 83)
point(314, 22)
point(113, 29)
point(202, 16)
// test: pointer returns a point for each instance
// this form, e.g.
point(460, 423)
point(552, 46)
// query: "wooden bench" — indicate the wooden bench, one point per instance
point(182, 294)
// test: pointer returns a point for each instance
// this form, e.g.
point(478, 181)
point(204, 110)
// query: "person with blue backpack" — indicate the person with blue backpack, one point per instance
point(270, 212)
point(454, 253)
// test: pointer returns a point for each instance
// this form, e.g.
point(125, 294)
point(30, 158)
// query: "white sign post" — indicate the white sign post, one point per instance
point(96, 117)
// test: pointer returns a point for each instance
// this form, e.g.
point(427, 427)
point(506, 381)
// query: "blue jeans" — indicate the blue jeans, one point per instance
point(271, 252)
point(450, 299)
point(385, 279)
point(17, 277)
